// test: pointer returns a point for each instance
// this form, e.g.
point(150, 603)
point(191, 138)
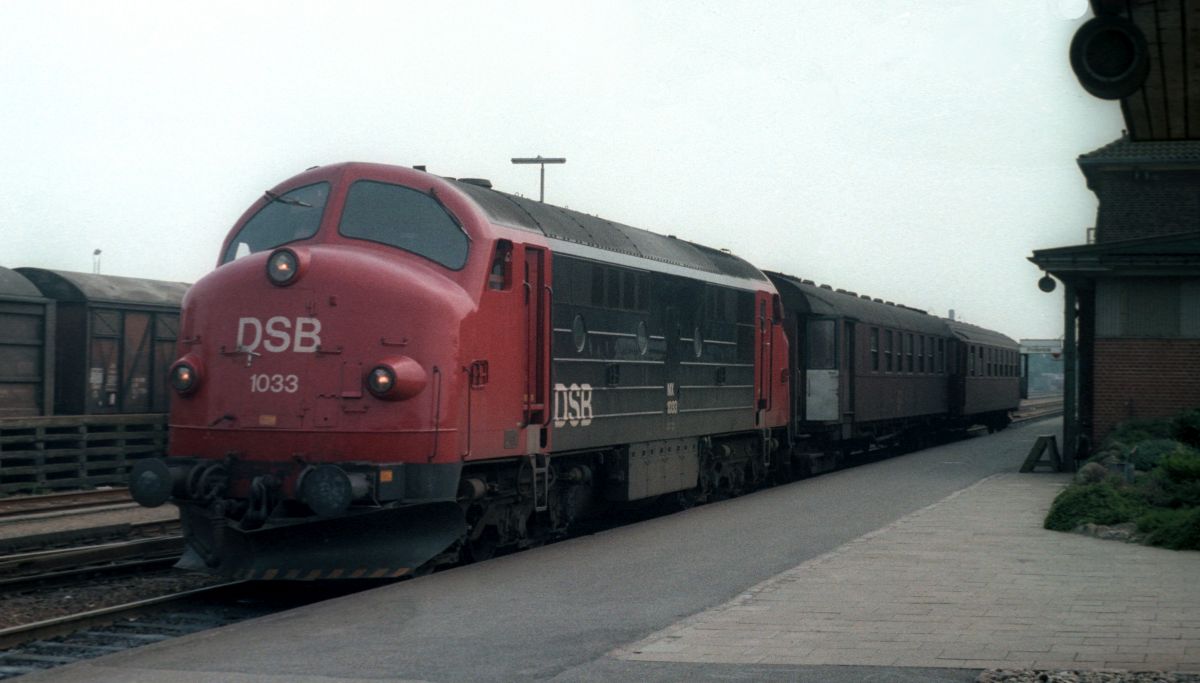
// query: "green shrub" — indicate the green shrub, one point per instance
point(1186, 427)
point(1182, 465)
point(1157, 490)
point(1132, 431)
point(1165, 496)
point(1176, 529)
point(1146, 455)
point(1091, 473)
point(1099, 503)
point(1112, 452)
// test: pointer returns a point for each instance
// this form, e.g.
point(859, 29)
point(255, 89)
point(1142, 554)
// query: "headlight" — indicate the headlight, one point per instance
point(282, 267)
point(381, 381)
point(184, 376)
point(396, 378)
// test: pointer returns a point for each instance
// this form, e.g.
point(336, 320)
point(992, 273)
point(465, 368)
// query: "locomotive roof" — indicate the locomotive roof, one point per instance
point(14, 284)
point(63, 285)
point(821, 300)
point(980, 335)
point(580, 228)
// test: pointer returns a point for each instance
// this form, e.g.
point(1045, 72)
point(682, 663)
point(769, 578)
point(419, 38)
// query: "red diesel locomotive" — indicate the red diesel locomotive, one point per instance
point(390, 370)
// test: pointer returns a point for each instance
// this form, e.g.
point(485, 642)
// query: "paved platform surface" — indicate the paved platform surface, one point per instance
point(970, 582)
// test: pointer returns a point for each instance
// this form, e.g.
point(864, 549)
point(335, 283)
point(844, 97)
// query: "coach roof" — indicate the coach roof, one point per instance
point(812, 299)
point(65, 285)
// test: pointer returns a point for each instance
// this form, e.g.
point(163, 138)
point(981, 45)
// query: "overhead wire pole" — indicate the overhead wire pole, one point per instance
point(540, 161)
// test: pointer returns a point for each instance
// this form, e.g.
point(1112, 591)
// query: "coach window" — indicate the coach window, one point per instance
point(404, 218)
point(875, 349)
point(941, 355)
point(908, 351)
point(921, 354)
point(822, 345)
point(287, 217)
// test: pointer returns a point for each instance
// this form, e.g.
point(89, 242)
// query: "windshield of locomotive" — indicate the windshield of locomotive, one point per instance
point(405, 218)
point(288, 217)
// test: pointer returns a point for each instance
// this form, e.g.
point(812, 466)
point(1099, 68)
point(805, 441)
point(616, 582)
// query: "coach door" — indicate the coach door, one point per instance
point(821, 380)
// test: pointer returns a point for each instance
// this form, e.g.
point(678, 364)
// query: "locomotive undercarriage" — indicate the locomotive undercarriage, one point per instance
point(256, 520)
point(525, 502)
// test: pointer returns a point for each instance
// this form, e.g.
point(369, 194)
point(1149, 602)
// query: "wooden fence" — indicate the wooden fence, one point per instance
point(75, 451)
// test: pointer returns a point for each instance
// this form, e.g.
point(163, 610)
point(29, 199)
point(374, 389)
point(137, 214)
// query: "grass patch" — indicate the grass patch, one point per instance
point(1164, 497)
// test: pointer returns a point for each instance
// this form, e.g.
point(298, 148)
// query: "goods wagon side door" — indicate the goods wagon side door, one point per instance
point(822, 382)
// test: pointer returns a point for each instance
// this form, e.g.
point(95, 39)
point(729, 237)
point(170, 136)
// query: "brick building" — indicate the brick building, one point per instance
point(1131, 340)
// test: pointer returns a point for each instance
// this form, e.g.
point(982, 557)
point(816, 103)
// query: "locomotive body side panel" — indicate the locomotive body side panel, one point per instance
point(640, 355)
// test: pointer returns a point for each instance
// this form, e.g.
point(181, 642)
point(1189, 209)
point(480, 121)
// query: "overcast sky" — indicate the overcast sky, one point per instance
point(913, 151)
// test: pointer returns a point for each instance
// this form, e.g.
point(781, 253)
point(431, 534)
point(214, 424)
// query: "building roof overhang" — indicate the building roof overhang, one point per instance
point(1162, 256)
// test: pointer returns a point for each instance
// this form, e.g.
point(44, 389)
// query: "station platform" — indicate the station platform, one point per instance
point(969, 582)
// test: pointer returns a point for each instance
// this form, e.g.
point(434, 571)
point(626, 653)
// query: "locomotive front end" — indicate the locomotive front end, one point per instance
point(314, 432)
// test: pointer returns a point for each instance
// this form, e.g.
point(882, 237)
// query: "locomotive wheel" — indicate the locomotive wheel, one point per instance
point(688, 499)
point(483, 547)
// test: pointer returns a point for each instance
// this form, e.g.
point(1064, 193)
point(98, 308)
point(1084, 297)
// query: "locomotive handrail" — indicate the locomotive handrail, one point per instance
point(549, 292)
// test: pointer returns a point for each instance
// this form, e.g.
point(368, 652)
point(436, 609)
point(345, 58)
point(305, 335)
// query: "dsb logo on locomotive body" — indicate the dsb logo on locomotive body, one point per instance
point(572, 405)
point(279, 335)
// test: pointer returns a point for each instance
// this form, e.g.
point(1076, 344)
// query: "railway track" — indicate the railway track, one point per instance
point(56, 642)
point(97, 535)
point(24, 508)
point(1038, 408)
point(56, 557)
point(25, 571)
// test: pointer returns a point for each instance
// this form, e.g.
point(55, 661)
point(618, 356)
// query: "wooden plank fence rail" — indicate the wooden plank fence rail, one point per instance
point(76, 451)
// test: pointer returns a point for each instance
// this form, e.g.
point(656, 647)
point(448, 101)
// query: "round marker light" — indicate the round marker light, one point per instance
point(381, 381)
point(184, 378)
point(396, 378)
point(282, 267)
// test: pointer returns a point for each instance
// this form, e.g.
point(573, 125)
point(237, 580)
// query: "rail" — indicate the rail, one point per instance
point(11, 637)
point(75, 451)
point(1038, 408)
point(55, 504)
point(40, 562)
